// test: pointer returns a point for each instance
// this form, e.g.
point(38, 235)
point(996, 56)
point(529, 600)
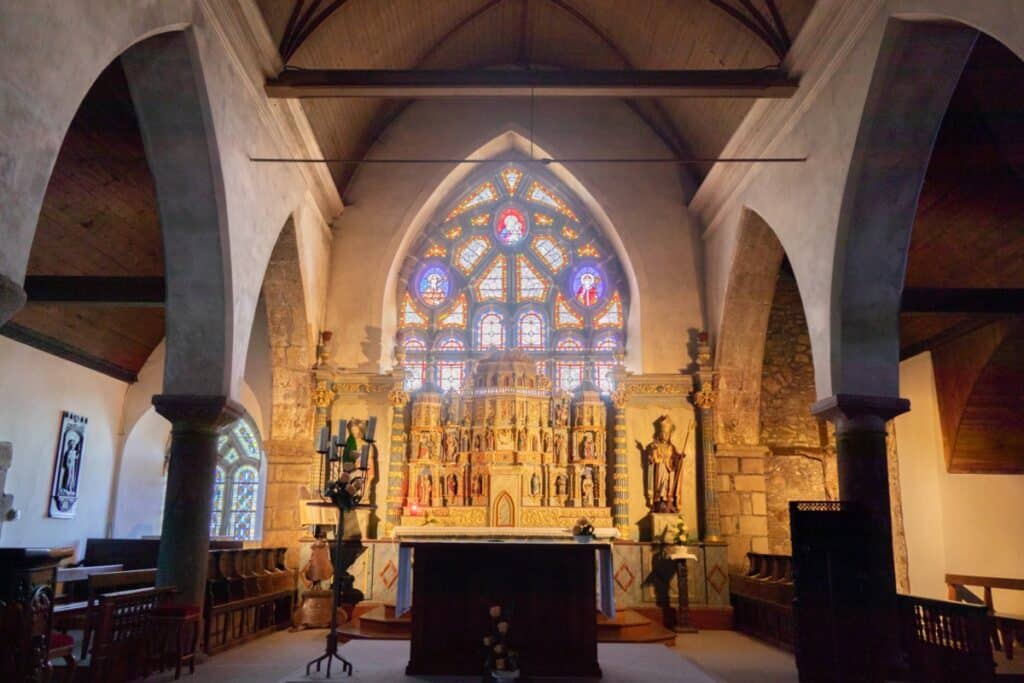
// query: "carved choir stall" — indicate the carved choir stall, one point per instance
point(508, 452)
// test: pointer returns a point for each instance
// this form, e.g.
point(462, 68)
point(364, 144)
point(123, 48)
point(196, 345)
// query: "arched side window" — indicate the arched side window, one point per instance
point(236, 488)
point(512, 262)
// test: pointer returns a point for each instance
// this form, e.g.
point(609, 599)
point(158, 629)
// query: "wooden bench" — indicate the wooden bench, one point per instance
point(762, 598)
point(249, 593)
point(84, 615)
point(946, 641)
point(122, 634)
point(1006, 628)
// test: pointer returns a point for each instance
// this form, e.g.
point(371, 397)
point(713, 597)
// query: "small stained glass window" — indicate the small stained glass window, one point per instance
point(491, 332)
point(451, 344)
point(510, 227)
point(568, 375)
point(530, 284)
point(480, 220)
point(570, 344)
point(491, 286)
point(607, 343)
point(455, 316)
point(531, 331)
point(550, 252)
point(236, 486)
point(468, 255)
point(604, 373)
point(450, 375)
point(414, 344)
point(434, 286)
point(415, 374)
point(484, 194)
point(611, 315)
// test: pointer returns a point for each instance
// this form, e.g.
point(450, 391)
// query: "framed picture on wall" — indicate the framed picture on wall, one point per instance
point(68, 465)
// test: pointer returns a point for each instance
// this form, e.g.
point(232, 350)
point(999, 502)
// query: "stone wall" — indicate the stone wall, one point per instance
point(742, 500)
point(787, 372)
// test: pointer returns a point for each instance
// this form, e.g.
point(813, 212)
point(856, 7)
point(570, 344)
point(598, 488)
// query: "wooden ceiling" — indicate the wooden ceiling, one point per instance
point(567, 34)
point(99, 218)
point(969, 234)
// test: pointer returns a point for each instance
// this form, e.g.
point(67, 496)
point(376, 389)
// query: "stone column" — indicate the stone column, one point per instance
point(620, 470)
point(396, 461)
point(12, 298)
point(196, 424)
point(704, 401)
point(862, 462)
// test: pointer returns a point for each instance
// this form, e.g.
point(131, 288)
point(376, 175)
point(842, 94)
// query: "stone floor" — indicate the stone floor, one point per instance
point(722, 656)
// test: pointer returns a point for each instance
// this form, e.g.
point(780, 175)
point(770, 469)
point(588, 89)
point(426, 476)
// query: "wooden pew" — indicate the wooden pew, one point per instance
point(122, 634)
point(762, 598)
point(249, 593)
point(946, 642)
point(1006, 628)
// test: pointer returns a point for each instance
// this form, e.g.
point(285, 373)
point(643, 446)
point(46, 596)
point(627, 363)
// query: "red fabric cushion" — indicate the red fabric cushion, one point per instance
point(58, 640)
point(173, 609)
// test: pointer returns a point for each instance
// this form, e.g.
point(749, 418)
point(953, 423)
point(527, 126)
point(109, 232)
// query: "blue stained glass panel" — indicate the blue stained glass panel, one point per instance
point(434, 286)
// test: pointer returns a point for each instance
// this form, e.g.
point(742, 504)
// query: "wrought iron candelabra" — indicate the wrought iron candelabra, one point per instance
point(345, 468)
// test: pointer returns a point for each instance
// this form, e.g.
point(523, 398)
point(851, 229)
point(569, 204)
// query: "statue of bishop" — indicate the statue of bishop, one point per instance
point(664, 476)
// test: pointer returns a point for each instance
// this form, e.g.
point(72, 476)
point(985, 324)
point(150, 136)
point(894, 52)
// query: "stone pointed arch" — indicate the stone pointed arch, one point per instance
point(288, 448)
point(740, 346)
point(918, 67)
point(170, 97)
point(511, 143)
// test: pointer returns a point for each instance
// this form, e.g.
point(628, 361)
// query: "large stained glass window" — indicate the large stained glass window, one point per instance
point(236, 488)
point(513, 262)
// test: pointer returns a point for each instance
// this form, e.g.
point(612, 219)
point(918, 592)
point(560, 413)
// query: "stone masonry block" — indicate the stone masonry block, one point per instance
point(759, 544)
point(298, 474)
point(739, 546)
point(730, 524)
point(728, 465)
point(752, 465)
point(759, 503)
point(745, 506)
point(728, 503)
point(749, 482)
point(724, 482)
point(753, 525)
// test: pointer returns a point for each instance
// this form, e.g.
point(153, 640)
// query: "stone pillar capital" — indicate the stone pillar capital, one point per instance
point(12, 298)
point(859, 412)
point(196, 412)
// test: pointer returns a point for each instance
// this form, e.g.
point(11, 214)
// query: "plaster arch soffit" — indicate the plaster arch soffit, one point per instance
point(446, 190)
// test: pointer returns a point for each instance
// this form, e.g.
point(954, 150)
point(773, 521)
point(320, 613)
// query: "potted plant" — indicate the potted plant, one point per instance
point(500, 661)
point(583, 530)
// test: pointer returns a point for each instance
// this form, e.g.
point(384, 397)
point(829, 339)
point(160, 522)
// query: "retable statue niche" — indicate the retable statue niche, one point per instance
point(664, 475)
point(509, 449)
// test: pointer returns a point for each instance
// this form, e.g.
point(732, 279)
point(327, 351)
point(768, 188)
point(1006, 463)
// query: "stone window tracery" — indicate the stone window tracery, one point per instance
point(524, 265)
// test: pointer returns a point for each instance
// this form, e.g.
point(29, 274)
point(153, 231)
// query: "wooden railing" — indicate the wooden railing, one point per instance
point(122, 633)
point(762, 598)
point(250, 593)
point(946, 641)
point(1007, 629)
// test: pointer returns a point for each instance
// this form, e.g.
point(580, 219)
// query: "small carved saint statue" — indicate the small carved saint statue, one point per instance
point(664, 476)
point(587, 488)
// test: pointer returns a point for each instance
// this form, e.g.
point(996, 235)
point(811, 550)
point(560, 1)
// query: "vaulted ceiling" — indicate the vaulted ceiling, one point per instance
point(566, 34)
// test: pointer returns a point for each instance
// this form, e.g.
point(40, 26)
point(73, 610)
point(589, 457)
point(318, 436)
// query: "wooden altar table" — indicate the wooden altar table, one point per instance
point(548, 586)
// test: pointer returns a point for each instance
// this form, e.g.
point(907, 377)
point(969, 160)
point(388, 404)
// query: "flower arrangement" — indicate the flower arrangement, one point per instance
point(583, 527)
point(500, 661)
point(676, 533)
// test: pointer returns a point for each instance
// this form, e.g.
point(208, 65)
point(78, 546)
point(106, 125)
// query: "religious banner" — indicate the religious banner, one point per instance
point(67, 468)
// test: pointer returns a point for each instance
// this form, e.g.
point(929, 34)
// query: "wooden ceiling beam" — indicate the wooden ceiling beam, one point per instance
point(985, 301)
point(397, 83)
point(110, 291)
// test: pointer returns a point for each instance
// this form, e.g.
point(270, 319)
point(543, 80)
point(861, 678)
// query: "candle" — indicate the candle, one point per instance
point(322, 442)
point(365, 457)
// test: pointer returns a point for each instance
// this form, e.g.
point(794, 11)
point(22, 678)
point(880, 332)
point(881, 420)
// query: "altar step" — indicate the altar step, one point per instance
point(375, 621)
